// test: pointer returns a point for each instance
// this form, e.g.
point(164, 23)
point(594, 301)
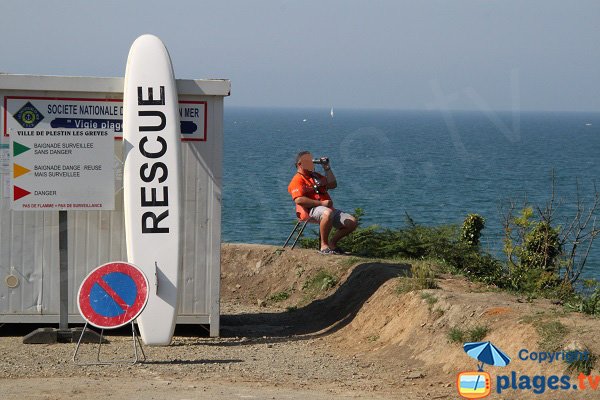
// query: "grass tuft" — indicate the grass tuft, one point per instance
point(583, 361)
point(456, 335)
point(280, 296)
point(552, 335)
point(475, 334)
point(322, 281)
point(423, 277)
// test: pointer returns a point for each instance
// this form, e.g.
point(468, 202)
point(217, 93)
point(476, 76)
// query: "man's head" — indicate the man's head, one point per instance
point(304, 161)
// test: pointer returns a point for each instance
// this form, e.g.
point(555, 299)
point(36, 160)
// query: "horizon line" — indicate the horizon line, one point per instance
point(352, 108)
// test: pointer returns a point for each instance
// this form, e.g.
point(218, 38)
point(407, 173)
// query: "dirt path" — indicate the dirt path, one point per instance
point(270, 367)
point(117, 389)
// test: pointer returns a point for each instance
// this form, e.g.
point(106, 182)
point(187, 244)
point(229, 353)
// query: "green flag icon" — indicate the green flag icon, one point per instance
point(19, 148)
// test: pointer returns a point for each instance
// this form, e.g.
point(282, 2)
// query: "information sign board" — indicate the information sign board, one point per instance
point(62, 152)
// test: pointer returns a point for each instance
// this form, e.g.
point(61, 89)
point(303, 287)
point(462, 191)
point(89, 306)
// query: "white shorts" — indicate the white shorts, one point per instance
point(339, 217)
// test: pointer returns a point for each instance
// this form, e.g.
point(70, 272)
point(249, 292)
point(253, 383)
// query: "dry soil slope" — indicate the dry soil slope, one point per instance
point(364, 313)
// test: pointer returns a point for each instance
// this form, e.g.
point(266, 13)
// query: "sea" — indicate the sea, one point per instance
point(435, 166)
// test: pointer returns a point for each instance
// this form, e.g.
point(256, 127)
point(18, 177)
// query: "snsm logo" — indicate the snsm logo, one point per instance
point(28, 116)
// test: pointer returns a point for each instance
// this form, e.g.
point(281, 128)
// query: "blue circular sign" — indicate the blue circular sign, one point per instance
point(113, 295)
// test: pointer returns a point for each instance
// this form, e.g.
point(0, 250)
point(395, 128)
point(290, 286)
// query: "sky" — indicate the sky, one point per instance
point(387, 54)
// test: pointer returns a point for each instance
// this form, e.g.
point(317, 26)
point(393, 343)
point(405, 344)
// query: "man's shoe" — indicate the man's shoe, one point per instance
point(340, 251)
point(327, 251)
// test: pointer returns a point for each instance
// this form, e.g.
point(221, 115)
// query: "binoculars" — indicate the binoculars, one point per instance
point(322, 160)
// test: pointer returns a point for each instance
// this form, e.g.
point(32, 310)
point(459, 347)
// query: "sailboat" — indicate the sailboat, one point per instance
point(331, 112)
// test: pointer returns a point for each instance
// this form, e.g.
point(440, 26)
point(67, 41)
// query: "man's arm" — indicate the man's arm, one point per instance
point(310, 203)
point(331, 181)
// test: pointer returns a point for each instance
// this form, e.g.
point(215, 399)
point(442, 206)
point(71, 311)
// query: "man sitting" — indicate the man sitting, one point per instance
point(309, 191)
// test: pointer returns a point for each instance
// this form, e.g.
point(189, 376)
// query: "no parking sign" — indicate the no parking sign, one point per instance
point(113, 295)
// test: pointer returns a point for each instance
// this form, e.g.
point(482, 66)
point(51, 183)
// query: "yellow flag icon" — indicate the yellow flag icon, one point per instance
point(19, 170)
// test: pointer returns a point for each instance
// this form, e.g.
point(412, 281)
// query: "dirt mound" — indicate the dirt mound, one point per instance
point(363, 312)
point(322, 293)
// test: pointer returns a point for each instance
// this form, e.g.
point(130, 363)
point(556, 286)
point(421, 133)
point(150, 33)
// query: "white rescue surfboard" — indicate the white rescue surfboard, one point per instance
point(152, 183)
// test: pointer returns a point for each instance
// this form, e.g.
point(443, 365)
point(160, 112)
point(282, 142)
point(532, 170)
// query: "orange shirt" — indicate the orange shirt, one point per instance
point(304, 186)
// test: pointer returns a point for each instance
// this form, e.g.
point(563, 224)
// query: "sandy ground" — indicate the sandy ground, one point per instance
point(358, 338)
point(197, 368)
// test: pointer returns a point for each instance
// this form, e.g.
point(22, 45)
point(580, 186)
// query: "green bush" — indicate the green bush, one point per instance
point(533, 250)
point(541, 248)
point(471, 229)
point(482, 267)
point(588, 300)
point(444, 243)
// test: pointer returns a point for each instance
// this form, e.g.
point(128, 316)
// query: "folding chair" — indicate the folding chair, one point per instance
point(303, 220)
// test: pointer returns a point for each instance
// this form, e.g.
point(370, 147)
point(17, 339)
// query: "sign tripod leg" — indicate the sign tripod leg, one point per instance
point(136, 343)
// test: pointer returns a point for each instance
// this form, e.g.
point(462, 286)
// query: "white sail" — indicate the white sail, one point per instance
point(331, 112)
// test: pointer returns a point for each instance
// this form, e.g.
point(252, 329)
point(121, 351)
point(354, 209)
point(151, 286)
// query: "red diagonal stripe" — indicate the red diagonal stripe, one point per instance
point(124, 306)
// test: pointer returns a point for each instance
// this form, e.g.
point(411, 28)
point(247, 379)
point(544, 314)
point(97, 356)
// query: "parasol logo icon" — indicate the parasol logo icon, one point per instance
point(478, 384)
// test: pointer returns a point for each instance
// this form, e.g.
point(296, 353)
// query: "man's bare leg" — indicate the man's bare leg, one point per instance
point(349, 227)
point(325, 228)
